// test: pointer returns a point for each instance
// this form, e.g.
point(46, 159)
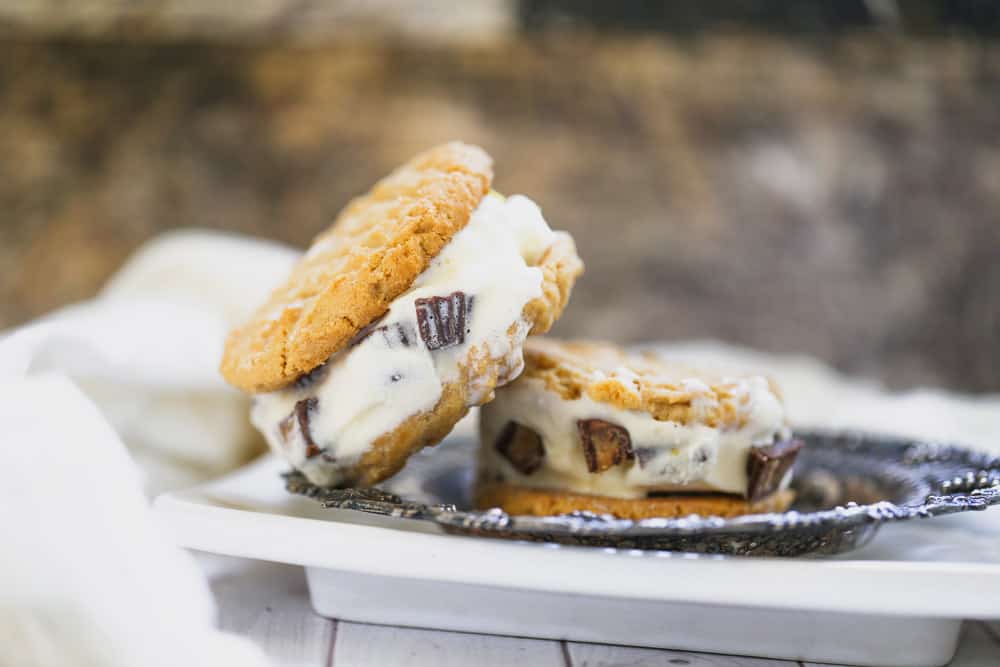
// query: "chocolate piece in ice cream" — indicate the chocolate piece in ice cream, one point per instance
point(441, 319)
point(394, 334)
point(364, 333)
point(300, 417)
point(522, 447)
point(398, 333)
point(767, 466)
point(604, 444)
point(646, 454)
point(312, 377)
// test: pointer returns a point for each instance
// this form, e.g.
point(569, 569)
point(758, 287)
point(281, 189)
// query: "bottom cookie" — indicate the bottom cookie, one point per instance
point(541, 502)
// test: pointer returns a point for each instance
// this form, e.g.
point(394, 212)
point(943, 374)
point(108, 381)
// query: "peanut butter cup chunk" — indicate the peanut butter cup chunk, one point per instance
point(767, 466)
point(441, 319)
point(604, 444)
point(522, 447)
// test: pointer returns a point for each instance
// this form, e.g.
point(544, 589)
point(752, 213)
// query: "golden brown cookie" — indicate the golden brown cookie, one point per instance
point(371, 254)
point(629, 380)
point(541, 502)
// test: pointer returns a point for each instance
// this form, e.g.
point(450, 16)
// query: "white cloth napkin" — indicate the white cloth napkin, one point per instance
point(86, 576)
point(147, 349)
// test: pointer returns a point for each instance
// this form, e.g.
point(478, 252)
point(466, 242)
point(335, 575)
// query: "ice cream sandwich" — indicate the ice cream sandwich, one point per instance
point(593, 427)
point(411, 308)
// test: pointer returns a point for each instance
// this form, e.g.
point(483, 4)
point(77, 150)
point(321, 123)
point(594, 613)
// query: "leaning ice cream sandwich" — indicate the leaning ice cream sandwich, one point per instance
point(411, 308)
point(592, 427)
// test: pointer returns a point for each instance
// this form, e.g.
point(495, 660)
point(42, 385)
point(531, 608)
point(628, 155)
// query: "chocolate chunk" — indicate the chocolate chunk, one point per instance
point(303, 412)
point(645, 454)
point(365, 332)
point(604, 444)
point(522, 447)
point(394, 333)
point(312, 377)
point(285, 427)
point(399, 334)
point(300, 416)
point(669, 470)
point(442, 319)
point(766, 467)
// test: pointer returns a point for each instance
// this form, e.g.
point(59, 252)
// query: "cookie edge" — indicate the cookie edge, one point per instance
point(526, 501)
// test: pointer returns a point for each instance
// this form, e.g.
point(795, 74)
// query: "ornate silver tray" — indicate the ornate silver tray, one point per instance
point(847, 485)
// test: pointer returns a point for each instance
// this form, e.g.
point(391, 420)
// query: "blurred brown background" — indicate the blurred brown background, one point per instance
point(804, 177)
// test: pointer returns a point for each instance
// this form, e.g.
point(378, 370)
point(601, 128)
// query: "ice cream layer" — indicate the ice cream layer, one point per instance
point(534, 437)
point(467, 303)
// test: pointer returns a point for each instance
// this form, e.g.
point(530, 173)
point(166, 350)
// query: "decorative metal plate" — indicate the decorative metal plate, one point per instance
point(847, 485)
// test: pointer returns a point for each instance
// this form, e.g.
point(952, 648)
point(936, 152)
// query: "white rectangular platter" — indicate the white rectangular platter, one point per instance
point(897, 602)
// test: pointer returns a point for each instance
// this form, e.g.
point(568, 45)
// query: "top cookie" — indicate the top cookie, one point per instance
point(642, 381)
point(371, 254)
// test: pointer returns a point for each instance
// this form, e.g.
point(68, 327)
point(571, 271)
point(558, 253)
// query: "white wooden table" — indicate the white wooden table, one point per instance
point(269, 604)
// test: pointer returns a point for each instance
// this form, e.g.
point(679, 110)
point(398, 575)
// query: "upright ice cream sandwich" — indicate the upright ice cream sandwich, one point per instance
point(413, 307)
point(592, 427)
